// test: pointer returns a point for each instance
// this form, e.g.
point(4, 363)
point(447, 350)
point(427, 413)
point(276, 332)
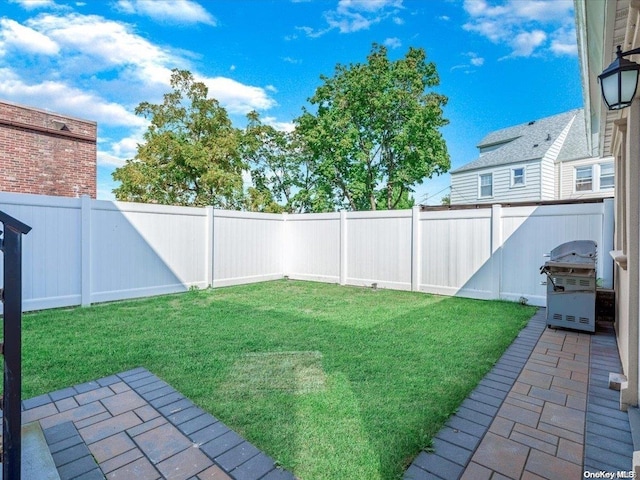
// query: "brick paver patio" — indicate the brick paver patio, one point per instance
point(133, 425)
point(544, 411)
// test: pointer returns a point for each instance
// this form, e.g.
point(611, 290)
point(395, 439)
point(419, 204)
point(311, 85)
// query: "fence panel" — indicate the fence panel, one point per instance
point(82, 251)
point(531, 232)
point(312, 247)
point(379, 249)
point(456, 252)
point(141, 250)
point(247, 247)
point(51, 264)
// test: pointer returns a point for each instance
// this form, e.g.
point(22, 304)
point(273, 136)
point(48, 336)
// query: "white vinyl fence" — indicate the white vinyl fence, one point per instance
point(82, 251)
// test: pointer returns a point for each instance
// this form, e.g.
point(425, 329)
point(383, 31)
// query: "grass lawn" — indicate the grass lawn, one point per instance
point(332, 382)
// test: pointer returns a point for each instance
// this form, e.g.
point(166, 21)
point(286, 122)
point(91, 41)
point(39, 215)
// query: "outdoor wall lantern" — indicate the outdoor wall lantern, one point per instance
point(619, 80)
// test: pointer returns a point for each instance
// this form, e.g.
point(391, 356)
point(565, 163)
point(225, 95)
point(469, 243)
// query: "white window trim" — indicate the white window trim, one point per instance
point(600, 187)
point(575, 179)
point(596, 171)
point(524, 177)
point(480, 175)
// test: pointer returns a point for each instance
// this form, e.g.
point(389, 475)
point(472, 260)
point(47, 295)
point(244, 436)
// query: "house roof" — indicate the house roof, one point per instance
point(531, 141)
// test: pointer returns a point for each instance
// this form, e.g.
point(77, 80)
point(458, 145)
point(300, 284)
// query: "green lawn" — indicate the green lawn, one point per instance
point(332, 382)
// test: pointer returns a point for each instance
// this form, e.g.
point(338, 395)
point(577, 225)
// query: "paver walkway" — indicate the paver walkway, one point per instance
point(135, 426)
point(544, 411)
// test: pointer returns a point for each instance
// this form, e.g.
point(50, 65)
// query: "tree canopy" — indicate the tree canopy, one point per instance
point(282, 171)
point(374, 134)
point(376, 130)
point(191, 152)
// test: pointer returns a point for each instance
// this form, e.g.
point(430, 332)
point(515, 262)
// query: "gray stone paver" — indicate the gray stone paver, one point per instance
point(136, 426)
point(556, 419)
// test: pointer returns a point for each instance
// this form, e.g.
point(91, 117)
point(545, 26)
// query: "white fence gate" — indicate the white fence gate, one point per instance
point(82, 251)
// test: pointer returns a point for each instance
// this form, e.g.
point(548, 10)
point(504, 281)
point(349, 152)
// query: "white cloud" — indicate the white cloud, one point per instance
point(182, 12)
point(291, 60)
point(13, 34)
point(60, 97)
point(526, 42)
point(116, 153)
point(236, 97)
point(106, 159)
point(542, 10)
point(99, 44)
point(128, 147)
point(355, 15)
point(524, 26)
point(560, 48)
point(282, 126)
point(393, 42)
point(91, 47)
point(564, 42)
point(35, 4)
point(474, 61)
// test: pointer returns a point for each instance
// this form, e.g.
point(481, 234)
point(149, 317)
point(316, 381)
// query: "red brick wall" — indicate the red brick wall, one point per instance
point(37, 156)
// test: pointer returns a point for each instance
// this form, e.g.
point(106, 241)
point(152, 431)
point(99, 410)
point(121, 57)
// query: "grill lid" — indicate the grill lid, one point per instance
point(577, 252)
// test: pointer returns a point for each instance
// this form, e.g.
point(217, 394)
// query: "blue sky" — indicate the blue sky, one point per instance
point(501, 62)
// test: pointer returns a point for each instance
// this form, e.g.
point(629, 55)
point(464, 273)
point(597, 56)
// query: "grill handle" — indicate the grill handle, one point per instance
point(544, 269)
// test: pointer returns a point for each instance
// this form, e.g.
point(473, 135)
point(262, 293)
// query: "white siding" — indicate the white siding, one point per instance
point(464, 185)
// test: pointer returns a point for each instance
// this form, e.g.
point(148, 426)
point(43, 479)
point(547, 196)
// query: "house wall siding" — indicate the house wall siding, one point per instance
point(464, 185)
point(38, 157)
point(548, 182)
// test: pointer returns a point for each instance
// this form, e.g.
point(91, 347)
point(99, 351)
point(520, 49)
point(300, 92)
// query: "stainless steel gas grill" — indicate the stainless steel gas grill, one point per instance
point(571, 285)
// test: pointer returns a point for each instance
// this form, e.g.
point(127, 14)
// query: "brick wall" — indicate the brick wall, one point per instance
point(46, 153)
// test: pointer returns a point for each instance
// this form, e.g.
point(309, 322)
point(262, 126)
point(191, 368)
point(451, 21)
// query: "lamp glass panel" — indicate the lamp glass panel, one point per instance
point(610, 89)
point(629, 84)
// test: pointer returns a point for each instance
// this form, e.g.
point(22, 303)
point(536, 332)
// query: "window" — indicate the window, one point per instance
point(606, 175)
point(584, 179)
point(486, 185)
point(517, 177)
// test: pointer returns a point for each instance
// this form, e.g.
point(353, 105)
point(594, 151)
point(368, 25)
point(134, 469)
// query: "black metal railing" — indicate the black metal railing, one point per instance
point(11, 347)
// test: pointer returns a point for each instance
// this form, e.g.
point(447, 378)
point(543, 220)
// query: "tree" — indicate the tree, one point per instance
point(446, 199)
point(376, 130)
point(274, 167)
point(191, 152)
point(282, 175)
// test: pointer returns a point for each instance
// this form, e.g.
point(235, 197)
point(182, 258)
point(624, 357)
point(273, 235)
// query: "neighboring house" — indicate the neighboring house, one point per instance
point(46, 153)
point(545, 159)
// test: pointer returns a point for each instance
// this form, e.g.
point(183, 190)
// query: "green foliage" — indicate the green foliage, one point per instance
point(191, 151)
point(376, 130)
point(446, 199)
point(282, 175)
